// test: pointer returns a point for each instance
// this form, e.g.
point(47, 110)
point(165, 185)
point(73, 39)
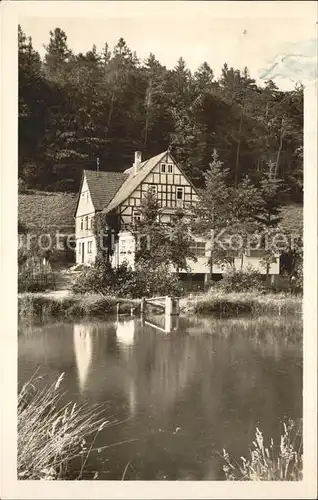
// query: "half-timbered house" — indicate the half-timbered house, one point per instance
point(119, 195)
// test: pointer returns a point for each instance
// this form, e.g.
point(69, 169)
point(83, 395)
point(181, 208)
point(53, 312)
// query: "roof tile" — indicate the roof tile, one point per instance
point(103, 186)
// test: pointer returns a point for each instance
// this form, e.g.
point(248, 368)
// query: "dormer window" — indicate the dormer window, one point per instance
point(163, 168)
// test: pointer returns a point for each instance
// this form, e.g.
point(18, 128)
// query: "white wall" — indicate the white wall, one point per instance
point(89, 258)
point(126, 248)
point(85, 209)
point(202, 265)
point(85, 204)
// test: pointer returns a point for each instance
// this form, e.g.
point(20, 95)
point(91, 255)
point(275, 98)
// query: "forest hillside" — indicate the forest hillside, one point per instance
point(75, 108)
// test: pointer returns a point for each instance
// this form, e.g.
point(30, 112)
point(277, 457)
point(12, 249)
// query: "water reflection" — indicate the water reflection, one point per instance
point(165, 323)
point(125, 332)
point(197, 389)
point(83, 347)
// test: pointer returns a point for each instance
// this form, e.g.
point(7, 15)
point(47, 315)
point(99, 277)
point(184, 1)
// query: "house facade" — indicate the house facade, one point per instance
point(118, 197)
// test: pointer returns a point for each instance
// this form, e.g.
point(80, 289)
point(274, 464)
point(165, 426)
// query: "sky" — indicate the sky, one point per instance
point(261, 44)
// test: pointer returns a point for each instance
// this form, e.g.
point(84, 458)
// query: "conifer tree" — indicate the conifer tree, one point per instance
point(212, 213)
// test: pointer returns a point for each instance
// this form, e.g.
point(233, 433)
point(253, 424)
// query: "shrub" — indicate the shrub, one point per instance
point(241, 281)
point(98, 278)
point(275, 463)
point(157, 281)
point(145, 281)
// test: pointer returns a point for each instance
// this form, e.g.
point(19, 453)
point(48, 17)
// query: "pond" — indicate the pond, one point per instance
point(179, 397)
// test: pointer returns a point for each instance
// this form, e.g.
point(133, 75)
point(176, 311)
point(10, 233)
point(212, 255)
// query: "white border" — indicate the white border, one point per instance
point(10, 487)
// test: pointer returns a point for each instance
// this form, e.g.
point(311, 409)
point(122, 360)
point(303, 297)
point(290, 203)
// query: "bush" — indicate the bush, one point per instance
point(157, 281)
point(98, 278)
point(145, 281)
point(241, 281)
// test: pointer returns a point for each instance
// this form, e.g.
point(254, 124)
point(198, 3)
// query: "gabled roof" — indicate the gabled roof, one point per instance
point(103, 186)
point(133, 180)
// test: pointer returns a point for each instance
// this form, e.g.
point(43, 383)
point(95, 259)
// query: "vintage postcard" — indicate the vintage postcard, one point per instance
point(159, 249)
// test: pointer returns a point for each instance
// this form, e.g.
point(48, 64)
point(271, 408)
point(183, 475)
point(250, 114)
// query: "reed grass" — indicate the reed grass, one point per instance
point(41, 306)
point(51, 436)
point(220, 302)
point(283, 462)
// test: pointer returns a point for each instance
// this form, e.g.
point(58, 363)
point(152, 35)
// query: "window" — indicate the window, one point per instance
point(136, 216)
point(79, 247)
point(82, 224)
point(86, 222)
point(153, 189)
point(170, 169)
point(179, 193)
point(198, 248)
point(123, 246)
point(89, 247)
point(163, 167)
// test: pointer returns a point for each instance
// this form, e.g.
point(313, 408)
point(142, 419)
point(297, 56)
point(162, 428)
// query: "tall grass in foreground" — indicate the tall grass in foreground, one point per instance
point(52, 436)
point(274, 463)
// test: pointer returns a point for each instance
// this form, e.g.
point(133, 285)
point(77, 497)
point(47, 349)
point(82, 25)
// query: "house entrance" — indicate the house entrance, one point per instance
point(82, 253)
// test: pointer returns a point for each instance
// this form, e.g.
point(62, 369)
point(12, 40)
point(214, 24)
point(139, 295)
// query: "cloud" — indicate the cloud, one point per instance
point(296, 62)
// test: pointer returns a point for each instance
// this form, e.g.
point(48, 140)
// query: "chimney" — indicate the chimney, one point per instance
point(137, 161)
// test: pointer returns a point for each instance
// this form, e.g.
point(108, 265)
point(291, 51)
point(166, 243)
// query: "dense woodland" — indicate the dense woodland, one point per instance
point(75, 108)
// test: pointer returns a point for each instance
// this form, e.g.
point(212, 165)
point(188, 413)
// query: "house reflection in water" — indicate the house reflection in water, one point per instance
point(125, 337)
point(83, 347)
point(136, 365)
point(125, 332)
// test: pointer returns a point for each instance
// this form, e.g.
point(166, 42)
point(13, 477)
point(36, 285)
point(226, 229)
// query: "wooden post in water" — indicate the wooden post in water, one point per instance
point(168, 309)
point(117, 308)
point(172, 306)
point(177, 306)
point(168, 314)
point(143, 305)
point(131, 311)
point(168, 323)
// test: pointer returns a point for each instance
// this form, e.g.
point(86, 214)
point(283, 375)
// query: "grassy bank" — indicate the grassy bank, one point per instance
point(219, 302)
point(43, 306)
point(52, 437)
